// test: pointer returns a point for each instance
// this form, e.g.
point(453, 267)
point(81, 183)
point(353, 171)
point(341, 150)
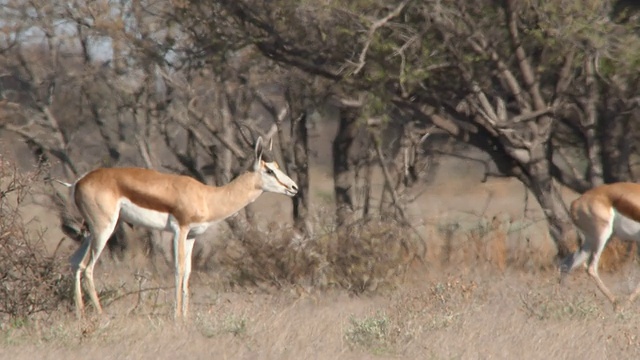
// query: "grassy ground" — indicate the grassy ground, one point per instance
point(488, 289)
point(456, 313)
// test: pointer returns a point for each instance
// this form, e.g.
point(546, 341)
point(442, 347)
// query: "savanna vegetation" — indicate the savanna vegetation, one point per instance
point(379, 95)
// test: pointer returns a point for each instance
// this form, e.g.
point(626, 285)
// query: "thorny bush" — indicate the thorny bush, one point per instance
point(30, 280)
point(364, 256)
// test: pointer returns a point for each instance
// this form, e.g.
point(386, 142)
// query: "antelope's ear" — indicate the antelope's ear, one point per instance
point(258, 149)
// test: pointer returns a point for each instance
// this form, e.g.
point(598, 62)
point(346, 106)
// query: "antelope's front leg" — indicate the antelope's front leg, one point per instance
point(187, 272)
point(179, 259)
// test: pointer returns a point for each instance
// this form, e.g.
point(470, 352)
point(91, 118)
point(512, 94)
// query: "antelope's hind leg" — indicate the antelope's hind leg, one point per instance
point(101, 215)
point(78, 265)
point(103, 234)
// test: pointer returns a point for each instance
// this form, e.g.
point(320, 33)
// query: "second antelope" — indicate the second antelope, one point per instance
point(612, 209)
point(174, 203)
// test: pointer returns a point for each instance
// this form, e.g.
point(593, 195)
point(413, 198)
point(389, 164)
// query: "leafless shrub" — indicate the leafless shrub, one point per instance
point(30, 280)
point(373, 254)
point(364, 256)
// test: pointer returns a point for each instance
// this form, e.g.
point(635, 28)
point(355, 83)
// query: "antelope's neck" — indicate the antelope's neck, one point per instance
point(228, 199)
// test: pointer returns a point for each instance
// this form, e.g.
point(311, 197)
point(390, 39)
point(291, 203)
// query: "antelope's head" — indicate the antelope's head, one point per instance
point(273, 179)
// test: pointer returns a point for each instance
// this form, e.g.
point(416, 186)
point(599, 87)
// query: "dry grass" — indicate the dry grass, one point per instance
point(437, 316)
point(618, 254)
point(490, 243)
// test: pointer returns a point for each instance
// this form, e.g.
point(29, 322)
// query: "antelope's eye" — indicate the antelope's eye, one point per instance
point(270, 172)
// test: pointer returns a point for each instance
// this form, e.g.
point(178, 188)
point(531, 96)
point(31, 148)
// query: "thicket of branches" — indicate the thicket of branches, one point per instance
point(31, 280)
point(365, 256)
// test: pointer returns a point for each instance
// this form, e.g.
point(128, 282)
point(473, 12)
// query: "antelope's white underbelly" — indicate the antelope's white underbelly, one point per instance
point(625, 228)
point(140, 216)
point(137, 215)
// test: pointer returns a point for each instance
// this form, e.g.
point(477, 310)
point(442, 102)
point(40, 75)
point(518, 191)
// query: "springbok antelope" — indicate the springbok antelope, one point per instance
point(174, 203)
point(612, 209)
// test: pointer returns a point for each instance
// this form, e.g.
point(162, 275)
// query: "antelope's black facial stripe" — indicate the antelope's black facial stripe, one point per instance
point(272, 172)
point(269, 170)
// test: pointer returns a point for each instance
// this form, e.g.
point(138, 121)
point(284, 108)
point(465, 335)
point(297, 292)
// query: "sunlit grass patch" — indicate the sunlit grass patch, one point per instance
point(371, 333)
point(539, 306)
point(233, 324)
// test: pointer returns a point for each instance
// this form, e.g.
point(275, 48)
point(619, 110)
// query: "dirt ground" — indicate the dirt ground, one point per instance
point(470, 299)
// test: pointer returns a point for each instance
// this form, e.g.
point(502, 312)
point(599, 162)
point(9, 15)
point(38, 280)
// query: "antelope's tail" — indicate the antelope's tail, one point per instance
point(48, 178)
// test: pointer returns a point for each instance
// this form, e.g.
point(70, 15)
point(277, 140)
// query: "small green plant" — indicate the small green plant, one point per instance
point(231, 324)
point(235, 325)
point(370, 333)
point(443, 320)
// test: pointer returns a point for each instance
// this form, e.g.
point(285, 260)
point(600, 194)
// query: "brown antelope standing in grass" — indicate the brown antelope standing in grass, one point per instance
point(174, 203)
point(612, 209)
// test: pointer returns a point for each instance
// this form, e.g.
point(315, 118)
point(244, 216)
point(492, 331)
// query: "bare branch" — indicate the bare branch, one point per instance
point(479, 44)
point(341, 101)
point(487, 108)
point(565, 76)
point(375, 26)
point(61, 154)
point(387, 178)
point(531, 115)
point(143, 148)
point(203, 119)
point(526, 70)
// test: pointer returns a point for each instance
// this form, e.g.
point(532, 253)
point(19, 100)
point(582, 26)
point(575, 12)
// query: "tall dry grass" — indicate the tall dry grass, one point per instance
point(499, 243)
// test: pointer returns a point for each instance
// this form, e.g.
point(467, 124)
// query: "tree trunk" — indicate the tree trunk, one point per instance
point(595, 166)
point(533, 172)
point(539, 181)
point(615, 141)
point(367, 187)
point(561, 227)
point(301, 159)
point(343, 184)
